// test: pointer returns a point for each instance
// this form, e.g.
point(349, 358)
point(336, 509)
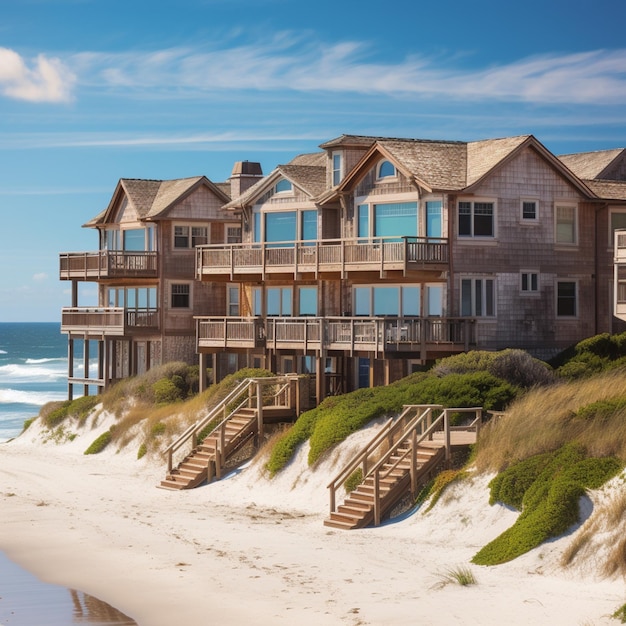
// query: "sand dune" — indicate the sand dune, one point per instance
point(249, 550)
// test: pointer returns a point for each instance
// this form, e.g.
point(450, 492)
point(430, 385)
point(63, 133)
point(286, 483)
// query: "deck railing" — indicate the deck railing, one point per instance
point(107, 320)
point(107, 264)
point(374, 334)
point(328, 255)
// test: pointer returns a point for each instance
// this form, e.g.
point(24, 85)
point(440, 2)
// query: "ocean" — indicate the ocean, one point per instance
point(33, 371)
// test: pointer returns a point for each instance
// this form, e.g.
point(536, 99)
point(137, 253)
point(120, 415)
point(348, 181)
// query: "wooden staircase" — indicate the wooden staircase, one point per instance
point(403, 456)
point(235, 427)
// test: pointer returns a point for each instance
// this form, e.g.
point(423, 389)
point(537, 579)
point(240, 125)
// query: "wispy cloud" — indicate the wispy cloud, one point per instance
point(40, 276)
point(293, 63)
point(46, 80)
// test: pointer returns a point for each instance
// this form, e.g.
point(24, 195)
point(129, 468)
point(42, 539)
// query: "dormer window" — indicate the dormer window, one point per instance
point(386, 169)
point(282, 186)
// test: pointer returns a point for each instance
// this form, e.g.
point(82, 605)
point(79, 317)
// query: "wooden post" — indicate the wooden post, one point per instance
point(259, 409)
point(86, 364)
point(332, 498)
point(70, 367)
point(376, 499)
point(413, 463)
point(446, 428)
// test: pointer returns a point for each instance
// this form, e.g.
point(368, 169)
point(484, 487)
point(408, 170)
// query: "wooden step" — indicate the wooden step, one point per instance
point(333, 523)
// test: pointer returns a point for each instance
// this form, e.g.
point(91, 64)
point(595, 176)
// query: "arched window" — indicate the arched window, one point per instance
point(283, 185)
point(386, 170)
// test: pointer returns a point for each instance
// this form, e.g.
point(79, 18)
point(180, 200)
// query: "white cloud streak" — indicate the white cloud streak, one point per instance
point(294, 64)
point(46, 80)
point(288, 63)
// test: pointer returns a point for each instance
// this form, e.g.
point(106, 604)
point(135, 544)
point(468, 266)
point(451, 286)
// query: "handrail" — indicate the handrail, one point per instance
point(408, 430)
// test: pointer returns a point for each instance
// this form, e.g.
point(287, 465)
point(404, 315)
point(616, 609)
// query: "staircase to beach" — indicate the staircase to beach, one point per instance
point(237, 420)
point(402, 457)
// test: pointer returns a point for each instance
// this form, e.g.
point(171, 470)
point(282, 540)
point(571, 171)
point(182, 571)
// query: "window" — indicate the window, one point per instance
point(233, 300)
point(395, 219)
point(279, 301)
point(476, 219)
point(386, 170)
point(134, 239)
point(337, 168)
point(280, 227)
point(566, 231)
point(618, 222)
point(144, 298)
point(307, 301)
point(434, 219)
point(364, 220)
point(233, 234)
point(529, 282)
point(529, 210)
point(308, 225)
point(478, 297)
point(566, 299)
point(181, 296)
point(283, 185)
point(190, 236)
point(388, 300)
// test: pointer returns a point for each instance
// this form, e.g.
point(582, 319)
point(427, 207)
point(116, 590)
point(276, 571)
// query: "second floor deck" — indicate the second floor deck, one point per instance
point(103, 264)
point(108, 321)
point(431, 335)
point(336, 256)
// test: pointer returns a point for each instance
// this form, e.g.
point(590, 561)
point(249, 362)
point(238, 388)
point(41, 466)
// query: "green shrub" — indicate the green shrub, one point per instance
point(441, 482)
point(81, 407)
point(27, 423)
point(158, 429)
point(592, 356)
point(602, 410)
point(166, 391)
point(143, 449)
point(57, 415)
point(620, 614)
point(354, 480)
point(547, 488)
point(100, 443)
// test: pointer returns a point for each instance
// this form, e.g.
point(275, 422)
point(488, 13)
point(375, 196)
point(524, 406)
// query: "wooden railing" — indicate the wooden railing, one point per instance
point(107, 320)
point(377, 334)
point(328, 255)
point(250, 393)
point(416, 424)
point(107, 264)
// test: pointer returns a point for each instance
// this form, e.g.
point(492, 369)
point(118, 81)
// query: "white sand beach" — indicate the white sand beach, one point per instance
point(250, 550)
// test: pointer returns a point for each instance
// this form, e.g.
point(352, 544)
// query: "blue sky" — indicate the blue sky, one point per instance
point(95, 90)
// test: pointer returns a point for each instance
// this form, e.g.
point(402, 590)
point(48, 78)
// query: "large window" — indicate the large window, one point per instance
point(181, 295)
point(566, 230)
point(476, 219)
point(566, 299)
point(136, 298)
point(395, 219)
point(434, 218)
point(186, 236)
point(307, 304)
point(308, 225)
point(279, 301)
point(280, 226)
point(388, 300)
point(478, 297)
point(285, 226)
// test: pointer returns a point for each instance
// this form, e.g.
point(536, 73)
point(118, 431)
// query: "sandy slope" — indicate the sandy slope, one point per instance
point(248, 550)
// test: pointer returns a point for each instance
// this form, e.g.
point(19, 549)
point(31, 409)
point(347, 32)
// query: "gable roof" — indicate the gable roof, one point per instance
point(608, 189)
point(483, 156)
point(591, 165)
point(152, 199)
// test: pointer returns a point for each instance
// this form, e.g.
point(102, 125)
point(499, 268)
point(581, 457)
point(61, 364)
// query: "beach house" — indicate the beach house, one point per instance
point(364, 261)
point(144, 269)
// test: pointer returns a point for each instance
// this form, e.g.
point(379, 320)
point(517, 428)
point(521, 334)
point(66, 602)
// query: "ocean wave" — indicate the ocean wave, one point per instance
point(38, 398)
point(39, 361)
point(26, 373)
point(3, 352)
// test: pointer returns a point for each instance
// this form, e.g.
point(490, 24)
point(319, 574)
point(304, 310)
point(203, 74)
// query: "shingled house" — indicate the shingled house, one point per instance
point(144, 269)
point(375, 255)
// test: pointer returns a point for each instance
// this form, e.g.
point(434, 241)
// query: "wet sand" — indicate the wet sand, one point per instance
point(27, 601)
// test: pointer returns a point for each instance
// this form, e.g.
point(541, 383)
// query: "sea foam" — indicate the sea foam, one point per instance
point(37, 398)
point(16, 373)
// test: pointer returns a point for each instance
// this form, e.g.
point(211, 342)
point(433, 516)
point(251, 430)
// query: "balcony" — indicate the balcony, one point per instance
point(619, 258)
point(433, 336)
point(342, 256)
point(110, 321)
point(107, 264)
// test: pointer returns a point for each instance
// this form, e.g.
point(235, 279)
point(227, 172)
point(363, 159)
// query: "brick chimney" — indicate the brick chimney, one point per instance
point(244, 175)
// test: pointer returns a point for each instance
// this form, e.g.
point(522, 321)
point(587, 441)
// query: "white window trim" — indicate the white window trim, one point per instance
point(527, 220)
point(229, 302)
point(233, 225)
point(170, 294)
point(189, 225)
point(565, 318)
point(283, 191)
point(373, 199)
point(571, 205)
point(333, 170)
point(480, 238)
point(530, 292)
point(611, 231)
point(391, 178)
point(473, 279)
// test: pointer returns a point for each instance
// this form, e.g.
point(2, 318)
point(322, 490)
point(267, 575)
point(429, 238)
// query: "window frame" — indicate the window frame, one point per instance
point(528, 274)
point(189, 287)
point(558, 299)
point(613, 211)
point(484, 297)
point(336, 172)
point(386, 177)
point(287, 189)
point(566, 205)
point(233, 304)
point(190, 236)
point(230, 238)
point(472, 219)
point(528, 220)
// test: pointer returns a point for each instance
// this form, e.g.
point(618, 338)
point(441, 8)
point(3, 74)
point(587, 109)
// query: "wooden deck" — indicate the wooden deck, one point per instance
point(110, 321)
point(332, 256)
point(104, 264)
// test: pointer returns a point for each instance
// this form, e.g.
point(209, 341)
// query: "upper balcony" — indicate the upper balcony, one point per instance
point(429, 336)
point(111, 321)
point(107, 264)
point(339, 256)
point(619, 259)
